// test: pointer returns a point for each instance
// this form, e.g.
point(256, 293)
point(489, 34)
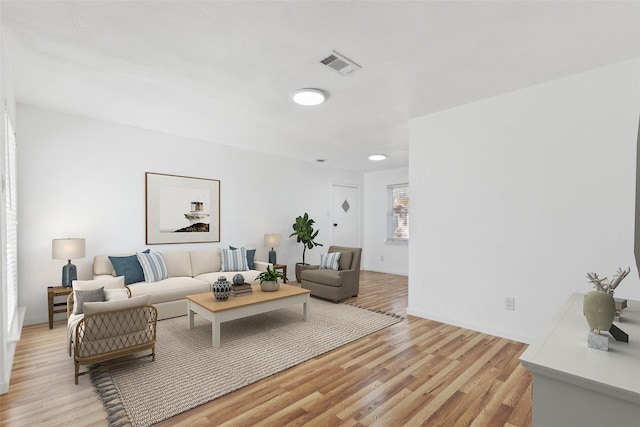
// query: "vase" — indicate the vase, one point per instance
point(599, 308)
point(221, 289)
point(269, 286)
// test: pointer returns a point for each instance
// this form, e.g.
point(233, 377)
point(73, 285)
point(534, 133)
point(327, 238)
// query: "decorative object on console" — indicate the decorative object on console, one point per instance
point(238, 279)
point(221, 289)
point(599, 308)
point(305, 234)
point(269, 280)
point(273, 241)
point(69, 248)
point(182, 209)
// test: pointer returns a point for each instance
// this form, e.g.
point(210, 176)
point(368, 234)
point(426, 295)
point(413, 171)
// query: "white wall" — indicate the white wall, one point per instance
point(85, 178)
point(379, 255)
point(521, 195)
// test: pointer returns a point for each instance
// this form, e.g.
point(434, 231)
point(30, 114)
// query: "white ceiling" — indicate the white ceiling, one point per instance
point(223, 71)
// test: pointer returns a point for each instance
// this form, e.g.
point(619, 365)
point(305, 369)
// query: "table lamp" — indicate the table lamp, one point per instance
point(69, 248)
point(272, 240)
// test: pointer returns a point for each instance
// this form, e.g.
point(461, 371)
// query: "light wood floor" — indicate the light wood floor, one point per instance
point(417, 372)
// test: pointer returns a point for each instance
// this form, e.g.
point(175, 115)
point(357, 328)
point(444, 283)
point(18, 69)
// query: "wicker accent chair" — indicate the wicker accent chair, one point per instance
point(335, 285)
point(109, 336)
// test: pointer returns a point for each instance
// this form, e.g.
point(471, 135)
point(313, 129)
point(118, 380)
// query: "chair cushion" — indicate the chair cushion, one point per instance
point(345, 260)
point(153, 265)
point(325, 277)
point(115, 294)
point(330, 261)
point(87, 285)
point(101, 307)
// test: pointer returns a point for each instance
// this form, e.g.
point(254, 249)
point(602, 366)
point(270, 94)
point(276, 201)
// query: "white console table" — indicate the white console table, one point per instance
point(574, 385)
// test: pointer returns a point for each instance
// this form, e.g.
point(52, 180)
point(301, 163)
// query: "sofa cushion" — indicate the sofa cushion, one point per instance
point(205, 261)
point(326, 277)
point(129, 267)
point(330, 261)
point(249, 276)
point(251, 256)
point(178, 263)
point(153, 265)
point(83, 297)
point(345, 260)
point(234, 259)
point(101, 307)
point(173, 288)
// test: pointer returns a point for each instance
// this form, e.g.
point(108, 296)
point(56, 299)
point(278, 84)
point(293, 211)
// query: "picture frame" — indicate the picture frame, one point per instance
point(181, 209)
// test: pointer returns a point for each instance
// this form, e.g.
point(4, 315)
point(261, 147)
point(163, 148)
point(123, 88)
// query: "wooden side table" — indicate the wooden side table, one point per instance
point(57, 307)
point(282, 267)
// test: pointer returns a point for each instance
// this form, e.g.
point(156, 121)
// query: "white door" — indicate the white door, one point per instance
point(346, 216)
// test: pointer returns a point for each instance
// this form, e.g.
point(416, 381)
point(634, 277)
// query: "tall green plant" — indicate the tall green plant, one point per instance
point(303, 230)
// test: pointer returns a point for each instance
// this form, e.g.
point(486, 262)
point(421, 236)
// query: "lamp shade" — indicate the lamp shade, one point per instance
point(272, 240)
point(69, 248)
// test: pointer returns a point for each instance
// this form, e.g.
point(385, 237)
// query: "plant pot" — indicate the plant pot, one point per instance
point(269, 286)
point(599, 308)
point(300, 267)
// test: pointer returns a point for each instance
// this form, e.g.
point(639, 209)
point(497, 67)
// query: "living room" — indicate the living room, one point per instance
point(517, 193)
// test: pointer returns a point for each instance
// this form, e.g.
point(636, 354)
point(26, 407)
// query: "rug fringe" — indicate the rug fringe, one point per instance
point(394, 315)
point(105, 388)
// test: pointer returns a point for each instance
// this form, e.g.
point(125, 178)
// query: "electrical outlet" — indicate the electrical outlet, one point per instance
point(510, 303)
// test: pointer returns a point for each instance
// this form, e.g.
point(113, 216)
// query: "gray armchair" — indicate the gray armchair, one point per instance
point(335, 285)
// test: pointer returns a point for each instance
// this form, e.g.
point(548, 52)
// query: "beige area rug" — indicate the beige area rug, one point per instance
point(188, 371)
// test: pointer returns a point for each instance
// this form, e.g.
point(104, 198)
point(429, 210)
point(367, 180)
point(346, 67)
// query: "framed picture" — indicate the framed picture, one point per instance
point(182, 209)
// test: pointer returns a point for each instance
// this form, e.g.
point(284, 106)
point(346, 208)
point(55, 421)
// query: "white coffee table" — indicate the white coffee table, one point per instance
point(258, 302)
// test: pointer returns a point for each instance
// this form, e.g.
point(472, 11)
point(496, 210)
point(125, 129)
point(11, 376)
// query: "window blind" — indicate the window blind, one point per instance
point(11, 221)
point(398, 212)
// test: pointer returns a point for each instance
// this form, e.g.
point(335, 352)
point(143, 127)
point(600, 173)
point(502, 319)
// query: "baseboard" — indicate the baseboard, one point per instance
point(473, 327)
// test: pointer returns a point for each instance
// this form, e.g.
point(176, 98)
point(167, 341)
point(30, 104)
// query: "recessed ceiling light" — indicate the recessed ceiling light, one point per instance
point(377, 157)
point(309, 96)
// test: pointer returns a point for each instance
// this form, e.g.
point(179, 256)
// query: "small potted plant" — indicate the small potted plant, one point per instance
point(305, 234)
point(269, 280)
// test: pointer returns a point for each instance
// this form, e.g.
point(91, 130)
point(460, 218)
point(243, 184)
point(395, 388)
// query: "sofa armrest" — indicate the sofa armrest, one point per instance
point(261, 265)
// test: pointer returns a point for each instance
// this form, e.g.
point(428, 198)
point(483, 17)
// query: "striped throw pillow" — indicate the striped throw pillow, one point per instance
point(153, 266)
point(234, 259)
point(330, 261)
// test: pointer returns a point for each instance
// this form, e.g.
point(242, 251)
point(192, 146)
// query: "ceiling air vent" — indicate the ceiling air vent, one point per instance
point(339, 63)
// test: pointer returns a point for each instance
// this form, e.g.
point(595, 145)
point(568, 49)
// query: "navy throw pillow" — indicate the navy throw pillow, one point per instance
point(129, 267)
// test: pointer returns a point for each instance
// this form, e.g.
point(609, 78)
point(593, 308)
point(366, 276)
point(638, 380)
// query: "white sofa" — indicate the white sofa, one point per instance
point(190, 272)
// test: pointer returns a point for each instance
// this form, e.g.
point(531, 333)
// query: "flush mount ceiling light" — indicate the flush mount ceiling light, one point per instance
point(309, 96)
point(377, 157)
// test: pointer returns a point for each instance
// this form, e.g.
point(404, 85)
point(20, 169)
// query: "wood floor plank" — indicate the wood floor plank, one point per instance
point(417, 372)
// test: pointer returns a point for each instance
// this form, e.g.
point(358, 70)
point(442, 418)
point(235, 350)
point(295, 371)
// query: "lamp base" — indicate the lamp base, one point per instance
point(69, 274)
point(272, 256)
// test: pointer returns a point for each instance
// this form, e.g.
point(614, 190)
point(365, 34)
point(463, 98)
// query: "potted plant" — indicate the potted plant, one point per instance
point(305, 234)
point(269, 280)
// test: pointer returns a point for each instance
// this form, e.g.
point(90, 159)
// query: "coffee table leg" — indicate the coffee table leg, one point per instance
point(189, 315)
point(215, 332)
point(305, 310)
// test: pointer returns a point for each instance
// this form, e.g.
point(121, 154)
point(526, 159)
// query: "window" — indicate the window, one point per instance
point(398, 213)
point(10, 250)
